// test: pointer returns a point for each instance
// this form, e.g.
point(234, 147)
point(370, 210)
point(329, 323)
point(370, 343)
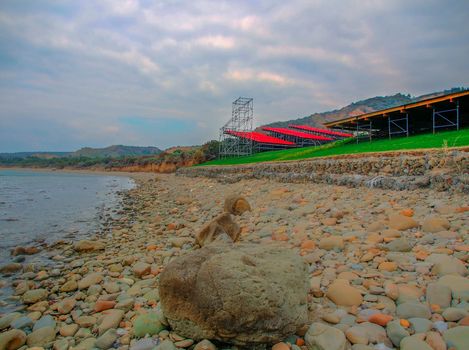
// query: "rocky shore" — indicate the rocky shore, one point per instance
point(385, 269)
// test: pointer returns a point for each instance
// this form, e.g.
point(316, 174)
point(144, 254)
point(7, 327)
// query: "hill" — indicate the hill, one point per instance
point(115, 151)
point(364, 106)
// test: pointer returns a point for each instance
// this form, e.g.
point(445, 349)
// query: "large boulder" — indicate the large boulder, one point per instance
point(241, 294)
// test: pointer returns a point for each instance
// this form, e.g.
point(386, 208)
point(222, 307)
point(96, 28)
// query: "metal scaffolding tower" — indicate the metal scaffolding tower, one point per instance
point(242, 116)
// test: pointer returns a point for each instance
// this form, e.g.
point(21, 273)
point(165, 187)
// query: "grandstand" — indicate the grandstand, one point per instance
point(300, 138)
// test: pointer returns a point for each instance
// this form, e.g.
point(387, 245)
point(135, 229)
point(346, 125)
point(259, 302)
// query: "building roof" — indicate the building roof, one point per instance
point(401, 108)
point(295, 133)
point(260, 138)
point(320, 131)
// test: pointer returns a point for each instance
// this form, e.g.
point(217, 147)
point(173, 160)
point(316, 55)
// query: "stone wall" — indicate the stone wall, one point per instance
point(440, 170)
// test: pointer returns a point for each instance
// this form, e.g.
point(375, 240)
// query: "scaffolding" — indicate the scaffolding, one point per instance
point(242, 115)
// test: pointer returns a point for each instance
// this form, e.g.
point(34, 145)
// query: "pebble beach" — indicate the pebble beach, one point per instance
point(386, 269)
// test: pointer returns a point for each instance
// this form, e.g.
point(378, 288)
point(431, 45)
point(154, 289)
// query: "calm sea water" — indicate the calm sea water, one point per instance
point(38, 207)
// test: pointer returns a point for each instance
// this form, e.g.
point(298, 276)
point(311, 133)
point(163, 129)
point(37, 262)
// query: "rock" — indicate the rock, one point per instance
point(35, 295)
point(66, 305)
point(88, 246)
point(236, 205)
point(414, 343)
point(205, 345)
point(45, 321)
point(454, 314)
point(280, 346)
point(435, 340)
point(6, 320)
point(102, 305)
point(401, 222)
point(86, 321)
point(343, 294)
point(420, 325)
point(69, 286)
point(459, 285)
point(148, 323)
point(22, 323)
point(322, 337)
point(380, 319)
point(396, 332)
point(399, 245)
point(387, 266)
point(236, 293)
point(61, 344)
point(90, 279)
point(10, 268)
point(110, 319)
point(446, 265)
point(435, 224)
point(25, 251)
point(145, 344)
point(221, 228)
point(166, 345)
point(332, 242)
point(141, 269)
point(41, 337)
point(68, 330)
point(87, 344)
point(357, 335)
point(12, 339)
point(413, 309)
point(106, 340)
point(438, 294)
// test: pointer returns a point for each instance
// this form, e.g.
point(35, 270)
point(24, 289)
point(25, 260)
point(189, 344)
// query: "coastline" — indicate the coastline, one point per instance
point(341, 233)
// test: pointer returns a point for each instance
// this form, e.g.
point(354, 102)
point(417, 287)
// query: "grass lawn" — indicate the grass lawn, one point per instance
point(349, 146)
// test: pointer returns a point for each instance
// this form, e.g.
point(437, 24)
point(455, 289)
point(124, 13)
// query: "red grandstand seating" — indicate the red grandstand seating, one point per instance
point(299, 134)
point(261, 138)
point(321, 131)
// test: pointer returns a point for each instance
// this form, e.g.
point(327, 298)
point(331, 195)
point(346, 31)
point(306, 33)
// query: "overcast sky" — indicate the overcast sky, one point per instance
point(96, 73)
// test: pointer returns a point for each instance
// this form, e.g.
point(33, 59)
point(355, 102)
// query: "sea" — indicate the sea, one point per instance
point(38, 208)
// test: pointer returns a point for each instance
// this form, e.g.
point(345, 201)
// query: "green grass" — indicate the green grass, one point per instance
point(349, 146)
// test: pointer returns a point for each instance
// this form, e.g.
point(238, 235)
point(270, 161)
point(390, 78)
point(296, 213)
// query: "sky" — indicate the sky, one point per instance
point(164, 73)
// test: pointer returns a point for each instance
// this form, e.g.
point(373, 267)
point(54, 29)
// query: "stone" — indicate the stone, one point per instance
point(280, 346)
point(12, 339)
point(68, 330)
point(141, 269)
point(148, 323)
point(61, 344)
point(454, 314)
point(106, 340)
point(221, 228)
point(69, 286)
point(332, 242)
point(87, 344)
point(387, 266)
point(10, 268)
point(414, 343)
point(145, 344)
point(357, 335)
point(435, 224)
point(109, 319)
point(399, 245)
point(413, 309)
point(435, 340)
point(66, 305)
point(25, 251)
point(6, 320)
point(446, 265)
point(401, 222)
point(35, 295)
point(86, 321)
point(236, 292)
point(380, 319)
point(166, 345)
point(420, 325)
point(438, 294)
point(45, 321)
point(41, 337)
point(88, 246)
point(102, 305)
point(343, 294)
point(459, 285)
point(22, 323)
point(396, 332)
point(322, 337)
point(236, 205)
point(90, 279)
point(205, 345)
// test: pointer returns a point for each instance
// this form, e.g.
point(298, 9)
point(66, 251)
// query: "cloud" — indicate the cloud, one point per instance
point(72, 72)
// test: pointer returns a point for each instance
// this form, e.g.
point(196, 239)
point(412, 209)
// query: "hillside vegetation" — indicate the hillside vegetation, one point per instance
point(349, 146)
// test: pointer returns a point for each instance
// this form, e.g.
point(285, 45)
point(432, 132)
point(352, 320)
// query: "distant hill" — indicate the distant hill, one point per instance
point(115, 151)
point(365, 106)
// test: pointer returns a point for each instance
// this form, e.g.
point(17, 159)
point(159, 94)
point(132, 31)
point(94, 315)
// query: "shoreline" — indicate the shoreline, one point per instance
point(341, 233)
